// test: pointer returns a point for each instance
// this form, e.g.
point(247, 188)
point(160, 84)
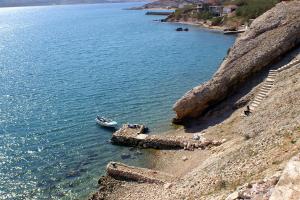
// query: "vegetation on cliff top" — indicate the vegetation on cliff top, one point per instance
point(249, 9)
point(246, 10)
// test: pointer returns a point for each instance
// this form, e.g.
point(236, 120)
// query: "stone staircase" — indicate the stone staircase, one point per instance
point(268, 84)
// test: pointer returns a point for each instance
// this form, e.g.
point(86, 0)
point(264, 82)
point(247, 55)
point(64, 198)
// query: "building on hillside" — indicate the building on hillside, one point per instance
point(229, 9)
point(216, 10)
point(202, 7)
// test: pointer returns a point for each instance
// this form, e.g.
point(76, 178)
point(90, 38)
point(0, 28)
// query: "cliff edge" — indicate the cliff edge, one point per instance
point(269, 37)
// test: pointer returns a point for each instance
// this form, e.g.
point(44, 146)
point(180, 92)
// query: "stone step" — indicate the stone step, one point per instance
point(261, 95)
point(256, 102)
point(264, 93)
point(264, 90)
point(288, 65)
point(294, 62)
point(258, 98)
point(266, 87)
point(270, 80)
point(272, 76)
point(273, 71)
point(251, 108)
point(269, 85)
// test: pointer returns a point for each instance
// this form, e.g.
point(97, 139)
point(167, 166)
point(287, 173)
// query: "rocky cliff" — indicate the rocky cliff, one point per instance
point(269, 37)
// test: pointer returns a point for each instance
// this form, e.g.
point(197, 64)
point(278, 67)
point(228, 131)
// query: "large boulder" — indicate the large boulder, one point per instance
point(288, 186)
point(270, 36)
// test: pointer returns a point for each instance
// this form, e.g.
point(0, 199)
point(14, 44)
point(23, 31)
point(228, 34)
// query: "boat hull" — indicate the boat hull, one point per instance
point(112, 124)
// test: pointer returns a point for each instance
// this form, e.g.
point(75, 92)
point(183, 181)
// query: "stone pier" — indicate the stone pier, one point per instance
point(137, 138)
point(121, 171)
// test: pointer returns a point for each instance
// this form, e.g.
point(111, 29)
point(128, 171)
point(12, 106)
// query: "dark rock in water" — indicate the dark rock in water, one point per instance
point(125, 156)
point(179, 29)
point(163, 20)
point(146, 130)
point(60, 194)
point(72, 174)
point(186, 29)
point(101, 179)
point(137, 153)
point(176, 121)
point(83, 170)
point(132, 149)
point(269, 37)
point(108, 141)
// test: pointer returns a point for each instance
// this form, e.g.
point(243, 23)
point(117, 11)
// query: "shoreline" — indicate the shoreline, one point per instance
point(184, 164)
point(256, 145)
point(200, 25)
point(192, 23)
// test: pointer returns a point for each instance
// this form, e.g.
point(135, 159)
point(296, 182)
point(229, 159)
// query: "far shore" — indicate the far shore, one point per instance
point(201, 25)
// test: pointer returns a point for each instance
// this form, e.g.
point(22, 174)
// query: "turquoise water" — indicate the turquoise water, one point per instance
point(60, 66)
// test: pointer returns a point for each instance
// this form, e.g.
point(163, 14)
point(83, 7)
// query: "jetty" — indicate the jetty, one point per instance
point(234, 32)
point(121, 171)
point(158, 13)
point(136, 137)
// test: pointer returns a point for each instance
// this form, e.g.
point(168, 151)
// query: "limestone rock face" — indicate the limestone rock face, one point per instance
point(271, 35)
point(288, 186)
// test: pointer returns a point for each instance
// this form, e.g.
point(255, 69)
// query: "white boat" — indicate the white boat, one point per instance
point(106, 122)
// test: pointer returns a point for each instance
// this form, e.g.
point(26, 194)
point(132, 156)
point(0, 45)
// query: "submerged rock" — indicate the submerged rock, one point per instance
point(125, 156)
point(270, 36)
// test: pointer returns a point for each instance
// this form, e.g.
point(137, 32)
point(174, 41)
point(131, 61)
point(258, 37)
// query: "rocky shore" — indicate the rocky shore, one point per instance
point(200, 24)
point(269, 37)
point(135, 137)
point(258, 156)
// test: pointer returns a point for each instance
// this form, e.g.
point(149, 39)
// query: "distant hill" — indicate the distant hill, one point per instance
point(16, 3)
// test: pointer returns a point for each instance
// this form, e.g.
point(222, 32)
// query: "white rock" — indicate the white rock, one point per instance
point(233, 196)
point(184, 158)
point(167, 185)
point(288, 186)
point(141, 136)
point(196, 136)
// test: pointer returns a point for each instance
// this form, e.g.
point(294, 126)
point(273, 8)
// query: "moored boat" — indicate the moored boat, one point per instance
point(106, 122)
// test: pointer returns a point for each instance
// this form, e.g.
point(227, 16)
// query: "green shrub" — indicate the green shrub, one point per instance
point(253, 8)
point(217, 20)
point(204, 15)
point(178, 13)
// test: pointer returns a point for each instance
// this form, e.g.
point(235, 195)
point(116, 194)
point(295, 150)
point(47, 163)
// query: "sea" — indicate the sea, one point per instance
point(61, 66)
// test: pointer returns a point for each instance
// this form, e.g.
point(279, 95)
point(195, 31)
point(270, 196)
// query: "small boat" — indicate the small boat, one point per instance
point(106, 122)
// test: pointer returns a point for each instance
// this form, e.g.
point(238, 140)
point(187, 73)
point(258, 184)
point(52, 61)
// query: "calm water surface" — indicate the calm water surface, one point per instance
point(60, 66)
